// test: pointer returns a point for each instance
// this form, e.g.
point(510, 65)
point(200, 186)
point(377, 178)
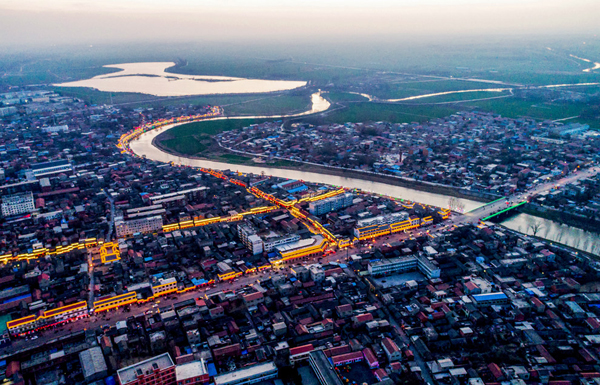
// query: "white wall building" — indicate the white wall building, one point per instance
point(142, 225)
point(17, 204)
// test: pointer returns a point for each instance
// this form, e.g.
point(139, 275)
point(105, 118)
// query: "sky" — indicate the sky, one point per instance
point(93, 21)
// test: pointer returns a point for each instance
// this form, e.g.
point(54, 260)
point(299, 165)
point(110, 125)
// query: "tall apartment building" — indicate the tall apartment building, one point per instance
point(17, 204)
point(141, 225)
point(327, 205)
point(249, 238)
point(257, 244)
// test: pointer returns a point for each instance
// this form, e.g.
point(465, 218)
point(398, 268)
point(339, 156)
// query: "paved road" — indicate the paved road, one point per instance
point(489, 209)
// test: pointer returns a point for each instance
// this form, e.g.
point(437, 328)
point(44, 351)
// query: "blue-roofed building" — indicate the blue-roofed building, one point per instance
point(491, 299)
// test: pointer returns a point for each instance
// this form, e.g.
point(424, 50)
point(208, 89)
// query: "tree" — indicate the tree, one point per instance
point(535, 227)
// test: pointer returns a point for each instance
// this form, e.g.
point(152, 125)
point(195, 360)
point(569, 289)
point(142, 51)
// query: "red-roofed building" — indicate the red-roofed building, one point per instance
point(381, 374)
point(362, 319)
point(253, 299)
point(593, 323)
point(538, 305)
point(370, 358)
point(392, 351)
point(544, 353)
point(300, 353)
point(496, 371)
point(229, 350)
point(348, 358)
point(337, 350)
point(344, 311)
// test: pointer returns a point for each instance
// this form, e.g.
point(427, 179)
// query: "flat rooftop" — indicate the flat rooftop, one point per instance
point(128, 374)
point(238, 375)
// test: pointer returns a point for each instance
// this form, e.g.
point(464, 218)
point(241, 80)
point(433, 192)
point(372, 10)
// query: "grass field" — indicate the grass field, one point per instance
point(272, 105)
point(195, 138)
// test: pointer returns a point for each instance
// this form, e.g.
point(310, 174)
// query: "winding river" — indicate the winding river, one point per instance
point(143, 146)
point(552, 231)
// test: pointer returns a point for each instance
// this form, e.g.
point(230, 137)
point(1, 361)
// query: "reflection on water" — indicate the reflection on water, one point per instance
point(554, 231)
point(151, 79)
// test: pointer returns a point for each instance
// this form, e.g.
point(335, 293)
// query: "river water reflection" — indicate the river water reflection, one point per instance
point(151, 79)
point(554, 231)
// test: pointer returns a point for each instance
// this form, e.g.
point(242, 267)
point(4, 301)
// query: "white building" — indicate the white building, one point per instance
point(50, 168)
point(257, 244)
point(327, 205)
point(164, 285)
point(270, 243)
point(142, 225)
point(317, 273)
point(63, 128)
point(17, 204)
point(404, 264)
point(248, 375)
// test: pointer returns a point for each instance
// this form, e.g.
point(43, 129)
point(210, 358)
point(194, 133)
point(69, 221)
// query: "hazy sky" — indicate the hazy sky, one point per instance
point(95, 21)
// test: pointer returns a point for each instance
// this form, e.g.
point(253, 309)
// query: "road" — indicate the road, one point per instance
point(484, 211)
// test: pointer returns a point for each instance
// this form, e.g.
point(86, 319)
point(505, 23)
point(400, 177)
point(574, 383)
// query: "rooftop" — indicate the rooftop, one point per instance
point(130, 373)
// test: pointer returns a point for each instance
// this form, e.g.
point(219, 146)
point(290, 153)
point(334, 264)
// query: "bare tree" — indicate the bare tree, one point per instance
point(455, 204)
point(535, 227)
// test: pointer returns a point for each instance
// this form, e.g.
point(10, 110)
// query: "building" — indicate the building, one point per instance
point(50, 168)
point(93, 364)
point(327, 205)
point(387, 224)
point(370, 358)
point(491, 299)
point(317, 273)
point(142, 225)
point(400, 265)
point(302, 248)
point(323, 369)
point(300, 353)
point(248, 375)
point(347, 358)
point(7, 111)
point(159, 370)
point(255, 244)
point(17, 204)
point(14, 296)
point(63, 128)
point(112, 302)
point(392, 351)
point(179, 196)
point(164, 286)
point(47, 318)
point(572, 129)
point(249, 238)
point(271, 243)
point(253, 299)
point(192, 373)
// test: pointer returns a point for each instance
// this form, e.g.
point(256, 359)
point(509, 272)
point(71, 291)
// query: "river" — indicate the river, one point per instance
point(554, 231)
point(144, 147)
point(152, 79)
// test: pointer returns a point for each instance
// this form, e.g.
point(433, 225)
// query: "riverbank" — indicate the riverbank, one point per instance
point(216, 152)
point(583, 253)
point(558, 216)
